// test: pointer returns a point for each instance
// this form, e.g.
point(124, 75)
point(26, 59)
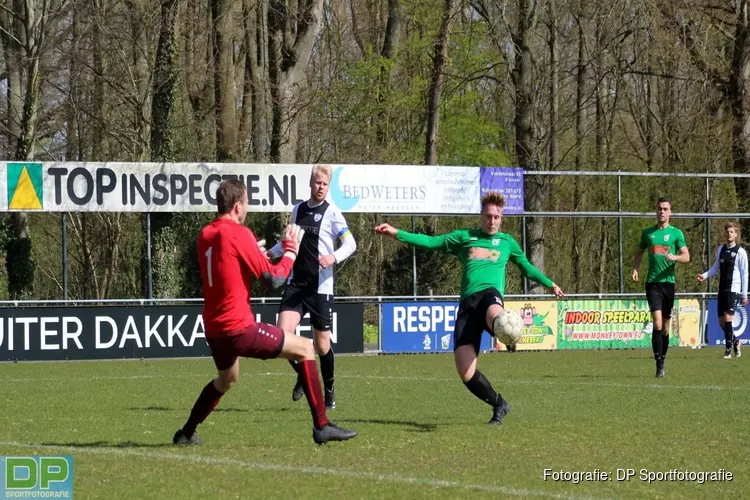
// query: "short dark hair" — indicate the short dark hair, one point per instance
point(664, 199)
point(230, 192)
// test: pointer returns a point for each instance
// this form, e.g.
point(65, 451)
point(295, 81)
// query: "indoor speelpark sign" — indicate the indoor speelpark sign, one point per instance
point(191, 187)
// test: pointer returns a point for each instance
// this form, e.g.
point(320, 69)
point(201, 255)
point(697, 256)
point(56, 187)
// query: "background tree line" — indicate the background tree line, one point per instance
point(654, 86)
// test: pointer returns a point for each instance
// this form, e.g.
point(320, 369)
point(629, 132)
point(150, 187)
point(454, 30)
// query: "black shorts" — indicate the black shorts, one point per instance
point(660, 297)
point(305, 300)
point(728, 302)
point(471, 319)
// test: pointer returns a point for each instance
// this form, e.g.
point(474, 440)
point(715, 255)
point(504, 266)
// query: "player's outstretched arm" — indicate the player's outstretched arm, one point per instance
point(714, 268)
point(445, 242)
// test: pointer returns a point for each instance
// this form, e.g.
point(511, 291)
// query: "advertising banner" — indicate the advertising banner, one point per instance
point(539, 325)
point(689, 322)
point(608, 324)
point(41, 333)
point(191, 187)
point(508, 181)
point(739, 324)
point(421, 327)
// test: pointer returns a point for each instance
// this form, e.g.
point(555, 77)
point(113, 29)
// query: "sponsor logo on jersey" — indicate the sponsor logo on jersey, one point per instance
point(660, 249)
point(476, 253)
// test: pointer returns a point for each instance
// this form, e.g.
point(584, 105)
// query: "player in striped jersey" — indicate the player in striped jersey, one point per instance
point(310, 287)
point(732, 267)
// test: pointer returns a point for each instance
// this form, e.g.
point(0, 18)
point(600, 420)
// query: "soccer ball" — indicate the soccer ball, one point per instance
point(508, 327)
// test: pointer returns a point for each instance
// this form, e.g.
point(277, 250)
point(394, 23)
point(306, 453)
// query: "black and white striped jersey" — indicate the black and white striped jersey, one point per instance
point(323, 225)
point(732, 267)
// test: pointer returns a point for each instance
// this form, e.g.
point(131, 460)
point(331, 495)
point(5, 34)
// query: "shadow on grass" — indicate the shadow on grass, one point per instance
point(106, 444)
point(411, 425)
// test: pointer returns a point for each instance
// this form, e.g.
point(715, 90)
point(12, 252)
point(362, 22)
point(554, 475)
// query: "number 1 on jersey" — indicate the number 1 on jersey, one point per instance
point(208, 257)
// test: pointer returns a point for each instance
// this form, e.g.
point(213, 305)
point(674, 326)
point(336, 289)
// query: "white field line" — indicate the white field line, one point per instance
point(294, 469)
point(208, 375)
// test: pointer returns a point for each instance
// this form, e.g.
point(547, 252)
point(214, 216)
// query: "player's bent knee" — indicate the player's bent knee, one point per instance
point(322, 341)
point(492, 313)
point(465, 362)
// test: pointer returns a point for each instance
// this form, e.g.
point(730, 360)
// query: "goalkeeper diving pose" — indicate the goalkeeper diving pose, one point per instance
point(484, 254)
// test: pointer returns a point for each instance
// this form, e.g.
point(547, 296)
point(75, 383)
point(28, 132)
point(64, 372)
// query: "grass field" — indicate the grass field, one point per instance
point(422, 434)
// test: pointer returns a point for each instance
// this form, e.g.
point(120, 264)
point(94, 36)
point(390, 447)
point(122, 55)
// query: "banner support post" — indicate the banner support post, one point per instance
point(65, 254)
point(148, 256)
point(413, 260)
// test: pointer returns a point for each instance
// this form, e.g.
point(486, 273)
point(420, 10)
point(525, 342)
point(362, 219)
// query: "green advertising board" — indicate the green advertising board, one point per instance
point(607, 324)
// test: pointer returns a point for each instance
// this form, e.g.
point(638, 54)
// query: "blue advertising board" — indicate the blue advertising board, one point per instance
point(741, 330)
point(421, 327)
point(508, 181)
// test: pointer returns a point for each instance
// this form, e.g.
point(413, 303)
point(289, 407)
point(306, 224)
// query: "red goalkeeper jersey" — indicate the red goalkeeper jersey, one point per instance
point(229, 258)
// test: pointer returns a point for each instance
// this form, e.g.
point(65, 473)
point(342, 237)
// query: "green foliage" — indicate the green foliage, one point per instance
point(370, 334)
point(468, 137)
point(20, 268)
point(166, 265)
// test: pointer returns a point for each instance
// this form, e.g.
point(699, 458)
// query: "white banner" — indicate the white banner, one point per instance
point(191, 187)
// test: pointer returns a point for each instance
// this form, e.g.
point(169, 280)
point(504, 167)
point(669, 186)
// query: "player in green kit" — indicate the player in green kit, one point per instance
point(666, 246)
point(483, 253)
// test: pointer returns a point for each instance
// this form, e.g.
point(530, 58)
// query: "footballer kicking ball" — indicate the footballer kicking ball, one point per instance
point(508, 327)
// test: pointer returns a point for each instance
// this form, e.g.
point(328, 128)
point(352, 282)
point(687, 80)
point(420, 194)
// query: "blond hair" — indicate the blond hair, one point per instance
point(326, 169)
point(736, 227)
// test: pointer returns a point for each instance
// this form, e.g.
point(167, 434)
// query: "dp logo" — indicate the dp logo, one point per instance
point(52, 475)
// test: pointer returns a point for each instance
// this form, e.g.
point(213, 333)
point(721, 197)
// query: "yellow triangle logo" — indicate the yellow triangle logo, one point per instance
point(25, 197)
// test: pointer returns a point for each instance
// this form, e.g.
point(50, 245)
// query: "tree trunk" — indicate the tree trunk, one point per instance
point(554, 85)
point(526, 147)
point(739, 97)
point(10, 34)
point(141, 106)
point(74, 140)
point(440, 63)
point(165, 77)
point(224, 94)
point(291, 36)
point(97, 134)
point(599, 131)
point(30, 29)
point(390, 42)
point(578, 242)
point(197, 90)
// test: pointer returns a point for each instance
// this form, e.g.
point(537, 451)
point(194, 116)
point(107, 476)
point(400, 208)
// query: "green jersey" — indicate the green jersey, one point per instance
point(483, 257)
point(659, 243)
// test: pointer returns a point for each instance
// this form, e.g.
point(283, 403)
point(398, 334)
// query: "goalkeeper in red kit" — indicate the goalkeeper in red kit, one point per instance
point(230, 258)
